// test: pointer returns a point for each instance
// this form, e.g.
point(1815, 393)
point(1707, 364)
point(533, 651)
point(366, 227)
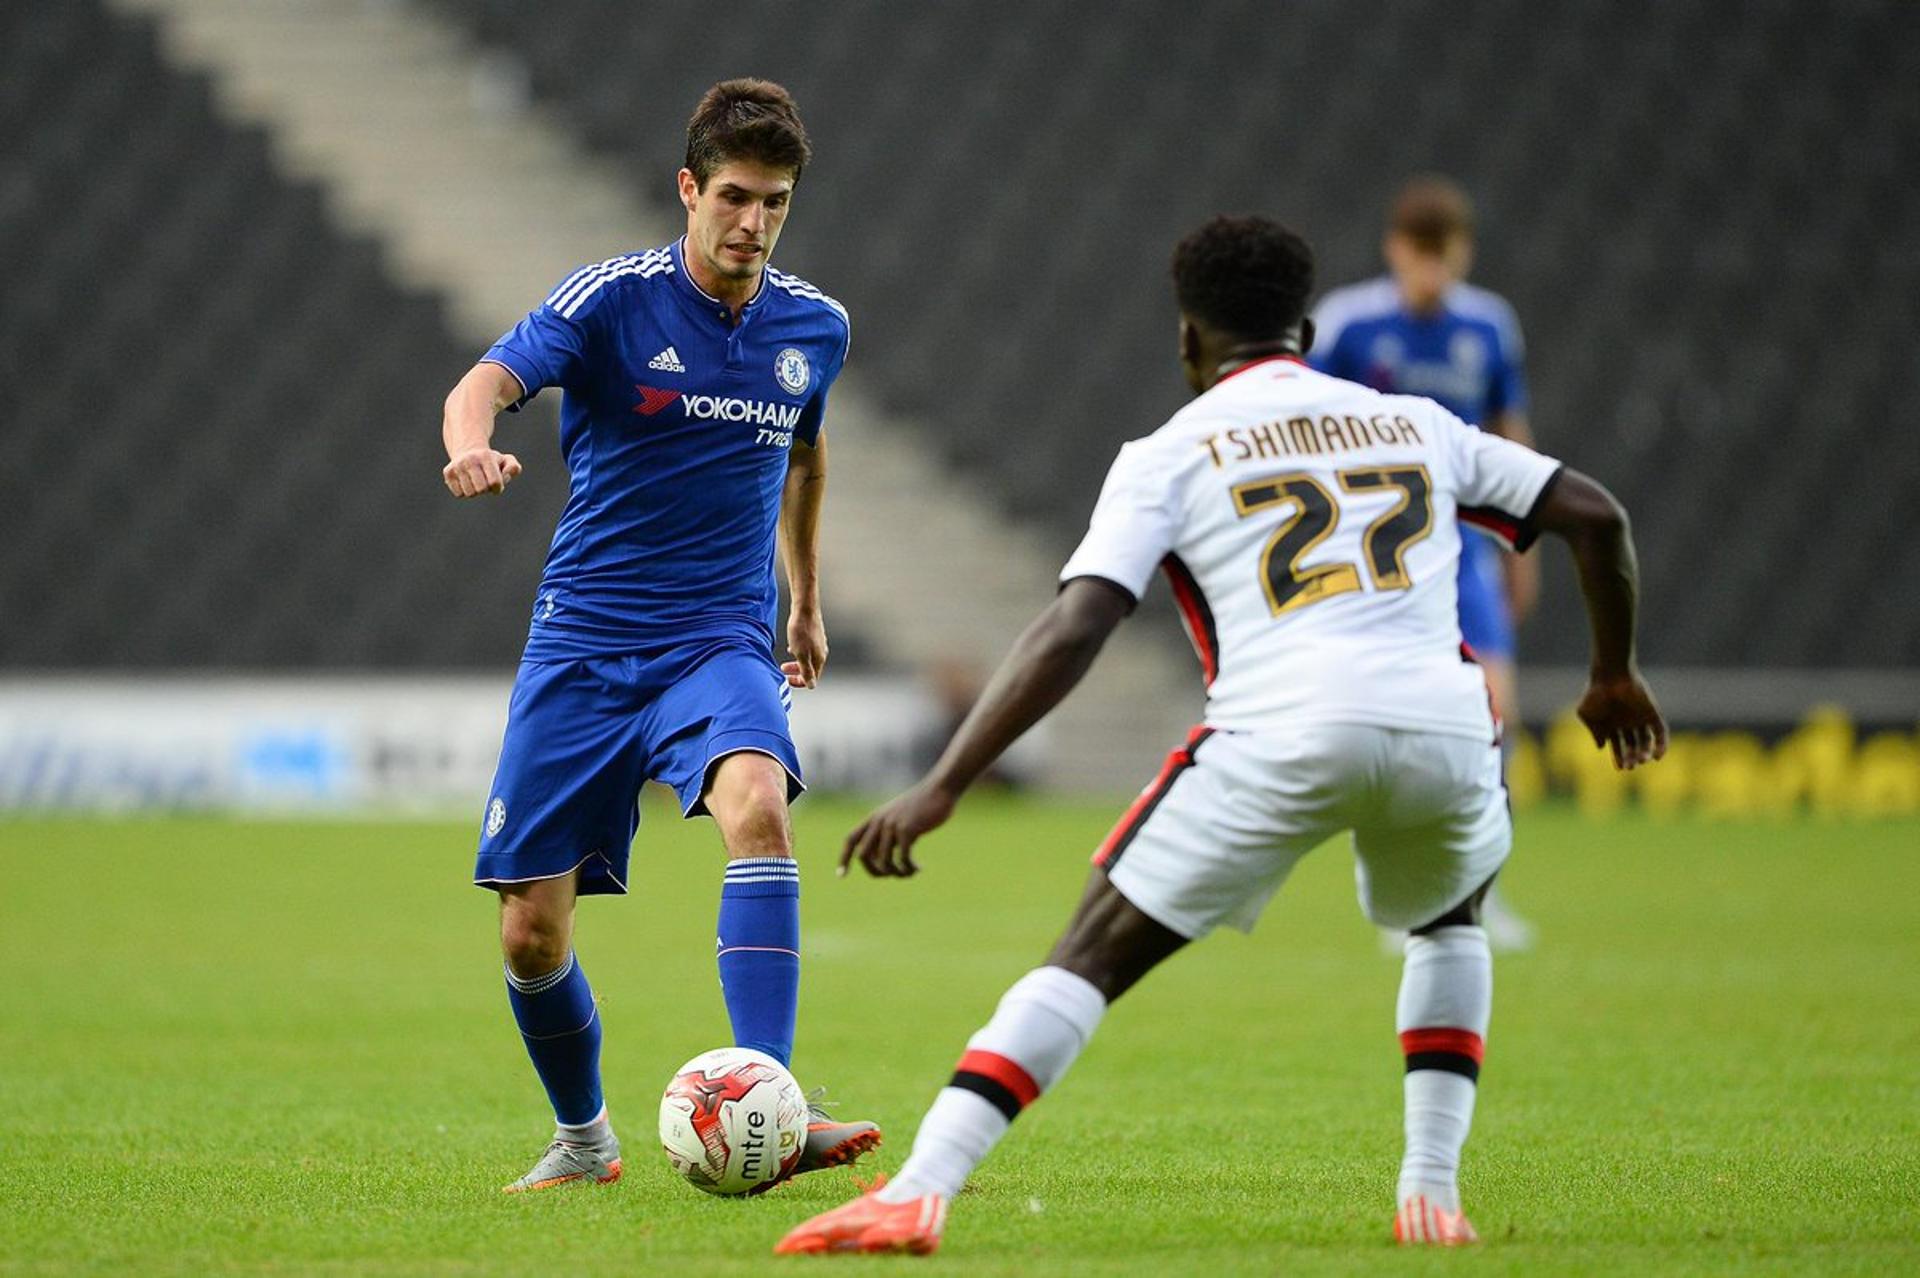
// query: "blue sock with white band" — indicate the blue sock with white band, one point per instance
point(760, 952)
point(561, 1026)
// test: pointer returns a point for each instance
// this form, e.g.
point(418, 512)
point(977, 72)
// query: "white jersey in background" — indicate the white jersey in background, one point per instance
point(1308, 527)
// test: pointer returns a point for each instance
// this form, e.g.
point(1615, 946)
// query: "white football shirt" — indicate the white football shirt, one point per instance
point(1309, 529)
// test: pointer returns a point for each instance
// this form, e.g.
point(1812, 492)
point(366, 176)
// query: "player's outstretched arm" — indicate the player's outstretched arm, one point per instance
point(1047, 661)
point(474, 466)
point(800, 552)
point(1617, 708)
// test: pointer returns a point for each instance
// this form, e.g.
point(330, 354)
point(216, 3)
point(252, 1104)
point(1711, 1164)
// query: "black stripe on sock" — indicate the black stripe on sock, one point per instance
point(1452, 1062)
point(991, 1090)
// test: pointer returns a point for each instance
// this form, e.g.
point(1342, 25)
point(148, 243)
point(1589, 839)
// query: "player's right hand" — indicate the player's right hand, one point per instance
point(480, 470)
point(884, 841)
point(1620, 713)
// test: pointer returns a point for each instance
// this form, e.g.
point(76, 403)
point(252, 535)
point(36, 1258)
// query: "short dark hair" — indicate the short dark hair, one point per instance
point(746, 119)
point(1431, 211)
point(1246, 277)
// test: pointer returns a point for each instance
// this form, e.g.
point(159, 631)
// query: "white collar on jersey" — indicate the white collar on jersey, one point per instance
point(680, 261)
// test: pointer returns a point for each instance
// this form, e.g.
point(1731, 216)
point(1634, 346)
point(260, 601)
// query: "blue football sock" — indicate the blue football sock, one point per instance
point(760, 952)
point(561, 1028)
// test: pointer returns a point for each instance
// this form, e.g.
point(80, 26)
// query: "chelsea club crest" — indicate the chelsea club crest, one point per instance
point(790, 370)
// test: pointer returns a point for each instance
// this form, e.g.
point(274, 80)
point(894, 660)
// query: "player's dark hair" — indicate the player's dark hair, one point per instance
point(1246, 277)
point(1431, 211)
point(746, 119)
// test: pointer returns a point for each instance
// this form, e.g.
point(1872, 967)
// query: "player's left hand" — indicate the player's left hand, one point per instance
point(807, 641)
point(884, 841)
point(1620, 712)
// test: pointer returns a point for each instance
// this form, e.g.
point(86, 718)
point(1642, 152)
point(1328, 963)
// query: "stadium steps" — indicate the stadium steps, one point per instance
point(432, 148)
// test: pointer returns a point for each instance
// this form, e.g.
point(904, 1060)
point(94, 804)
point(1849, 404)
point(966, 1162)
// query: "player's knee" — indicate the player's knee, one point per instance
point(759, 828)
point(747, 797)
point(754, 822)
point(533, 943)
point(1111, 944)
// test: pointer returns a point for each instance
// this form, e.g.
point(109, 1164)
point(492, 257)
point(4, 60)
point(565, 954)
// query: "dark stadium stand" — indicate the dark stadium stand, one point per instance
point(222, 447)
point(222, 451)
point(1707, 225)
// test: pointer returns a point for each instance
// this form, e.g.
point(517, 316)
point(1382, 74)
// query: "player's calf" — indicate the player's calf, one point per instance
point(758, 931)
point(1039, 1028)
point(1446, 996)
point(560, 1025)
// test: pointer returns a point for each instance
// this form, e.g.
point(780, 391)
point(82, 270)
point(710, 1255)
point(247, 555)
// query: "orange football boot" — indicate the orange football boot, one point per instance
point(868, 1225)
point(1419, 1223)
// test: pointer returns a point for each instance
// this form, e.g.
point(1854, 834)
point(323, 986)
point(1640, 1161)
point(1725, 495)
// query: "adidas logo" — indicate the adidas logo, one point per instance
point(667, 361)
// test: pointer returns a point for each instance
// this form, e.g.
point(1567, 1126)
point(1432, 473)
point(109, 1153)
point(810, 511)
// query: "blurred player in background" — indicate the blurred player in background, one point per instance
point(695, 379)
point(1309, 528)
point(1421, 329)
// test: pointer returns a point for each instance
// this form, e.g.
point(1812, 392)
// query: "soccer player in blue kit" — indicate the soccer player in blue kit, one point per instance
point(1421, 329)
point(695, 379)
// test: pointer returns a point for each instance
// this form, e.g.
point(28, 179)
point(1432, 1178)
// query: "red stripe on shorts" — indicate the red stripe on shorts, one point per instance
point(1136, 815)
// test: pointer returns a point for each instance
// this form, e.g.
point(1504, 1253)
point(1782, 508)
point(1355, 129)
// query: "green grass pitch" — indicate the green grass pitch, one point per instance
point(283, 1048)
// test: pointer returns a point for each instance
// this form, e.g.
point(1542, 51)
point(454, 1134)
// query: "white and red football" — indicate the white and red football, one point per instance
point(733, 1120)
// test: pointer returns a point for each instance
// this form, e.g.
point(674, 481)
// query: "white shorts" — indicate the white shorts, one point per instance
point(1213, 838)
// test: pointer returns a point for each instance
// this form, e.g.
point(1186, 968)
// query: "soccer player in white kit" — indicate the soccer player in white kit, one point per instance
point(1309, 529)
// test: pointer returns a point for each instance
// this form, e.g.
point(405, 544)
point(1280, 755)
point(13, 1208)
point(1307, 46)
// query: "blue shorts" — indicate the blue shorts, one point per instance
point(583, 736)
point(1485, 623)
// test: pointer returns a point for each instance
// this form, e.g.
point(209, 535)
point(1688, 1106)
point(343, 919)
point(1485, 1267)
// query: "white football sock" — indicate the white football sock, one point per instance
point(960, 1129)
point(597, 1130)
point(1041, 1025)
point(1439, 1112)
point(1446, 1000)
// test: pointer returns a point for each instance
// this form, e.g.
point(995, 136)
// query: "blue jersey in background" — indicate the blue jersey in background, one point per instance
point(675, 426)
point(1469, 358)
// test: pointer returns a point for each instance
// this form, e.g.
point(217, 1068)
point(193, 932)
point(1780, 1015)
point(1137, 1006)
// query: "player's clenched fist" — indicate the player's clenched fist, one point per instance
point(480, 470)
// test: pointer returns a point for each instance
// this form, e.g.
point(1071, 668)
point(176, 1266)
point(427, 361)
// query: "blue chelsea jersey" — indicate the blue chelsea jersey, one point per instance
point(1468, 356)
point(675, 423)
